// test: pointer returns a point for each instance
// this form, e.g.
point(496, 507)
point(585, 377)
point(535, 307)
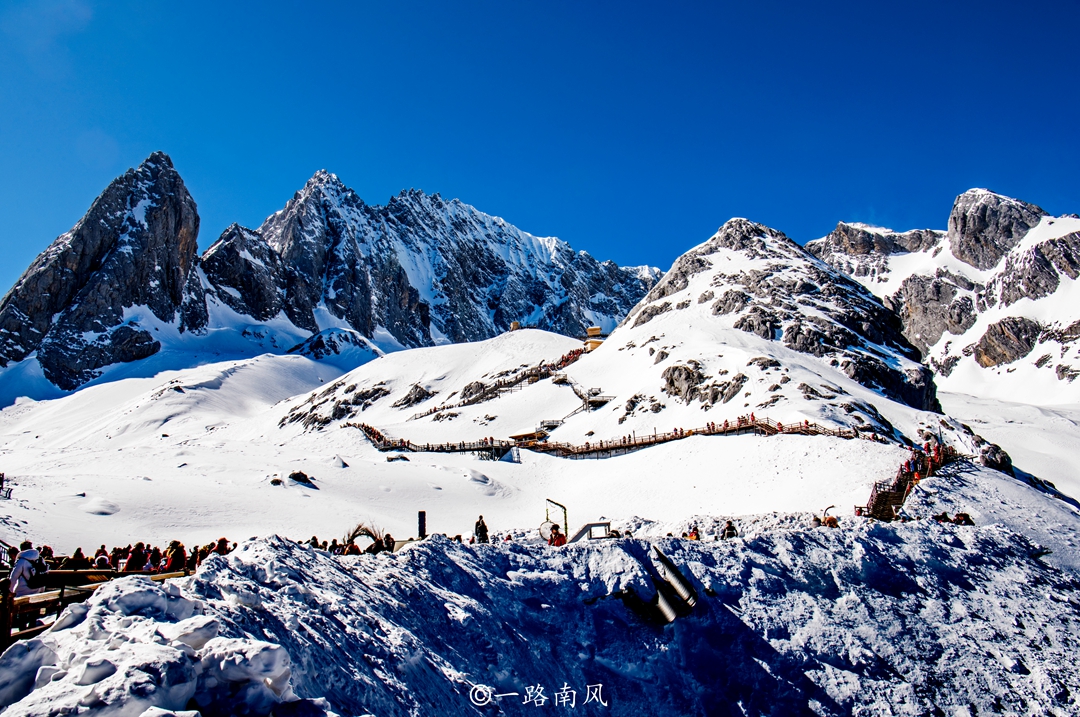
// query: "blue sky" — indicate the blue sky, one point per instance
point(630, 130)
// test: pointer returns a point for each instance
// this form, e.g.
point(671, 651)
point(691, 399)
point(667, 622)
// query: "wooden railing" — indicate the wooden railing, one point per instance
point(609, 447)
point(887, 497)
point(53, 602)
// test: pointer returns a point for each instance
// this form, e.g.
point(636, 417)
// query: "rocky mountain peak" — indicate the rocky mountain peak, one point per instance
point(752, 280)
point(328, 182)
point(984, 225)
point(753, 239)
point(135, 249)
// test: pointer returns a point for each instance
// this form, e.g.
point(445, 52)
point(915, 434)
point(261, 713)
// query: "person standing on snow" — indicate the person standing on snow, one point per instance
point(480, 530)
point(557, 539)
point(729, 531)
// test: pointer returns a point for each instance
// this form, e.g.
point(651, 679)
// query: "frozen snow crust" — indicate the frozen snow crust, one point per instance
point(871, 618)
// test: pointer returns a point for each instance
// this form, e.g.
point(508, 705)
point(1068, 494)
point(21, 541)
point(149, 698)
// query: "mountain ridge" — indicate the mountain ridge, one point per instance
point(127, 282)
point(982, 297)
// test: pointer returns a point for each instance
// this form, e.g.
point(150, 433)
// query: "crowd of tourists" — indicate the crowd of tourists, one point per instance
point(138, 558)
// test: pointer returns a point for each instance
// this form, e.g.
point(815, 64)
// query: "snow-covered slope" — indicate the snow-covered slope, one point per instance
point(905, 619)
point(749, 322)
point(193, 454)
point(991, 304)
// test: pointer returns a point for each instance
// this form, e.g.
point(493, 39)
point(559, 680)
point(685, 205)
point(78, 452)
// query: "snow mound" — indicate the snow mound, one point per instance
point(137, 645)
point(907, 618)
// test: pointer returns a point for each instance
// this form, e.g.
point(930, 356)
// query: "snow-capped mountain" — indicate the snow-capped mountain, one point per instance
point(830, 621)
point(126, 283)
point(746, 322)
point(419, 271)
point(990, 303)
point(135, 248)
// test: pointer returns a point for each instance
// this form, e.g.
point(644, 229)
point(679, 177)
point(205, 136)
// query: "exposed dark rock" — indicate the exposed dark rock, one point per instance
point(815, 309)
point(682, 382)
point(416, 394)
point(660, 356)
point(331, 342)
point(678, 277)
point(914, 386)
point(983, 226)
point(1036, 273)
point(651, 311)
point(758, 321)
point(861, 240)
point(1006, 341)
point(763, 362)
point(731, 302)
point(945, 366)
point(136, 247)
point(1063, 253)
point(731, 388)
point(1066, 372)
point(862, 251)
point(993, 456)
point(344, 254)
point(445, 416)
point(869, 418)
point(132, 260)
point(930, 306)
point(472, 390)
point(816, 337)
point(246, 274)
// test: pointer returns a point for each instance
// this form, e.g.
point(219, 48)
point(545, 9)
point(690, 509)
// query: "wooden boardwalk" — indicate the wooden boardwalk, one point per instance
point(887, 497)
point(494, 448)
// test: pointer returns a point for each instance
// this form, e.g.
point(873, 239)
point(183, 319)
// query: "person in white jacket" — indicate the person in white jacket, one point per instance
point(21, 573)
point(23, 570)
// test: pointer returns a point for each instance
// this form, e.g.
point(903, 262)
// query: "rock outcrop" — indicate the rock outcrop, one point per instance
point(983, 226)
point(333, 342)
point(1006, 341)
point(247, 275)
point(87, 301)
point(1005, 261)
point(930, 306)
point(862, 251)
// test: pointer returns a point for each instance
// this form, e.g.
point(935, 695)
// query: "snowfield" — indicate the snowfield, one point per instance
point(870, 618)
point(191, 454)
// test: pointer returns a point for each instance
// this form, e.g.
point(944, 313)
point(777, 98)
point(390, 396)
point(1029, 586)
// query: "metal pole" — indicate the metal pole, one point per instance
point(421, 521)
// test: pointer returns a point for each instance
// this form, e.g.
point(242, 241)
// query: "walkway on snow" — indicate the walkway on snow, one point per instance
point(496, 448)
